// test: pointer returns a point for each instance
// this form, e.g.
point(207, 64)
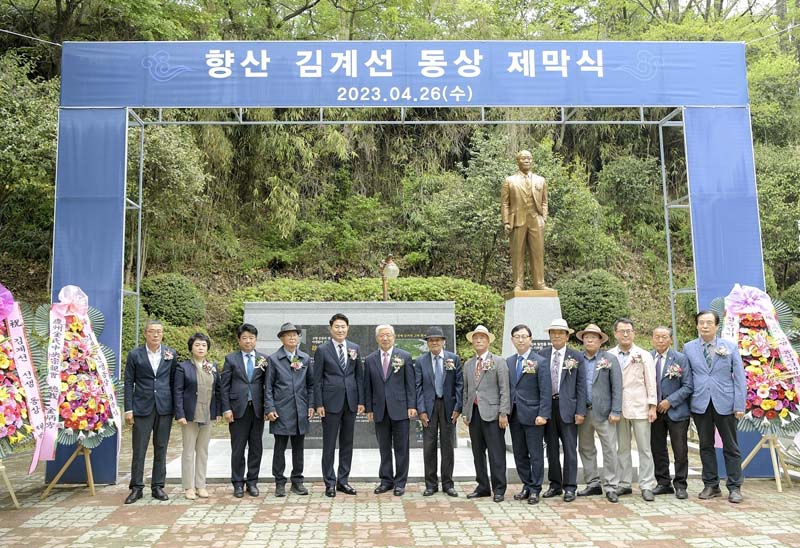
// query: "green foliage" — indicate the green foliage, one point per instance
point(791, 296)
point(596, 297)
point(773, 81)
point(172, 298)
point(631, 186)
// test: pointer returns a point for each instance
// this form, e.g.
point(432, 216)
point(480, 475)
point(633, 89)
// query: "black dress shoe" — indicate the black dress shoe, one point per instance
point(663, 490)
point(709, 492)
point(523, 495)
point(238, 491)
point(280, 490)
point(399, 491)
point(381, 489)
point(569, 496)
point(680, 493)
point(429, 491)
point(735, 496)
point(590, 490)
point(134, 495)
point(552, 493)
point(647, 494)
point(478, 495)
point(534, 498)
point(498, 497)
point(345, 488)
point(330, 491)
point(252, 490)
point(298, 489)
point(624, 491)
point(612, 496)
point(159, 494)
point(451, 492)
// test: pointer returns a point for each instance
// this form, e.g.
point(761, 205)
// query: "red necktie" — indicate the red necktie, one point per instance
point(478, 371)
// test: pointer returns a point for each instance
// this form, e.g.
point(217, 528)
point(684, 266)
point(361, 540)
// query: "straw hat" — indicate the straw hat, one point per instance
point(592, 328)
point(560, 324)
point(481, 329)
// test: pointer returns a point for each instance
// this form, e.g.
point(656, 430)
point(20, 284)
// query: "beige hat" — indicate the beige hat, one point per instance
point(592, 328)
point(481, 329)
point(560, 324)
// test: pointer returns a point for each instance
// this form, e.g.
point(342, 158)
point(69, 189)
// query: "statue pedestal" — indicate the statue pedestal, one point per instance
point(536, 309)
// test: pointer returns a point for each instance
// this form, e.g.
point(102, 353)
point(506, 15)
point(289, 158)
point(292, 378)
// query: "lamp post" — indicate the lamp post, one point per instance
point(389, 269)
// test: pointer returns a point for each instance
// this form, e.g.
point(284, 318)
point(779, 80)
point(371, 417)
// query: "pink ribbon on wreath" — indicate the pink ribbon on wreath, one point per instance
point(72, 301)
point(6, 302)
point(744, 299)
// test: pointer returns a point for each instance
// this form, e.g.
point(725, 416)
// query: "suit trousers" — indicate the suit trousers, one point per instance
point(246, 433)
point(438, 433)
point(341, 425)
point(588, 451)
point(488, 436)
point(528, 444)
point(641, 430)
point(528, 237)
point(393, 436)
point(726, 425)
point(279, 458)
point(678, 436)
point(555, 431)
point(194, 459)
point(143, 425)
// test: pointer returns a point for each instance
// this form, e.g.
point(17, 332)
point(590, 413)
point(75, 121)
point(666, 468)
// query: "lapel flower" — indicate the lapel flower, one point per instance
point(449, 364)
point(262, 363)
point(636, 359)
point(397, 363)
point(488, 363)
point(352, 353)
point(721, 351)
point(603, 363)
point(168, 355)
point(529, 367)
point(570, 364)
point(297, 363)
point(207, 366)
point(674, 371)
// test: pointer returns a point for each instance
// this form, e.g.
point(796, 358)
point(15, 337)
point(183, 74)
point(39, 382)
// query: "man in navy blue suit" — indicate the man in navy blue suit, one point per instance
point(718, 401)
point(674, 387)
point(338, 395)
point(391, 401)
point(440, 383)
point(531, 401)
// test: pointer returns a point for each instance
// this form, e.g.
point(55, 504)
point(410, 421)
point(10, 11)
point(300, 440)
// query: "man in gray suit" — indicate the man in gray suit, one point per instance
point(718, 401)
point(486, 408)
point(149, 372)
point(288, 394)
point(603, 411)
point(674, 386)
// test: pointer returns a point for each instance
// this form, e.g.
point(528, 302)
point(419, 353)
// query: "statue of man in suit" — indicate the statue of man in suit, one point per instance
point(523, 206)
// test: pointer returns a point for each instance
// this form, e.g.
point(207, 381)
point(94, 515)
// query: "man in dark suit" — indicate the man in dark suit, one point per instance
point(338, 395)
point(674, 387)
point(149, 372)
point(288, 395)
point(391, 401)
point(242, 395)
point(717, 401)
point(603, 413)
point(440, 386)
point(531, 401)
point(568, 384)
point(487, 403)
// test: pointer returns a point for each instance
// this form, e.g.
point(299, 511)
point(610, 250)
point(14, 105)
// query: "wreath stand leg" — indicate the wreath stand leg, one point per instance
point(776, 454)
point(8, 484)
point(79, 450)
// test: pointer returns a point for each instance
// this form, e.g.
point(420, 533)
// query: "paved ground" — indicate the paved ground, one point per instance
point(71, 517)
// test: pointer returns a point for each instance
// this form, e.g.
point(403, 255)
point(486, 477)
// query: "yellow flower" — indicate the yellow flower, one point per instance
point(766, 405)
point(2, 420)
point(72, 379)
point(80, 411)
point(790, 395)
point(3, 361)
point(754, 369)
point(76, 325)
point(3, 393)
point(83, 424)
point(64, 387)
point(784, 413)
point(92, 403)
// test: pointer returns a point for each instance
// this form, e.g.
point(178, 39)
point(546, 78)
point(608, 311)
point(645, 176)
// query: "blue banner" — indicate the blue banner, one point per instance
point(408, 74)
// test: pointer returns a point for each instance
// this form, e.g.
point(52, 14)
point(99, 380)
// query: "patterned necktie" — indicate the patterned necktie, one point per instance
point(658, 377)
point(438, 376)
point(250, 367)
point(478, 371)
point(555, 369)
point(707, 353)
point(342, 360)
point(520, 359)
point(385, 365)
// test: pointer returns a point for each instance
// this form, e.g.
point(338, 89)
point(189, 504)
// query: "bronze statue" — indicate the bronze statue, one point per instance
point(523, 205)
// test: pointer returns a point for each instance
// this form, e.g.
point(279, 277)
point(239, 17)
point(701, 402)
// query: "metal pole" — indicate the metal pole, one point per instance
point(666, 230)
point(139, 234)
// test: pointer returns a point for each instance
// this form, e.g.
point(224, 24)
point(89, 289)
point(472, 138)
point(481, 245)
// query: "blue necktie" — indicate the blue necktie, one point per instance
point(250, 367)
point(438, 376)
point(520, 359)
point(342, 360)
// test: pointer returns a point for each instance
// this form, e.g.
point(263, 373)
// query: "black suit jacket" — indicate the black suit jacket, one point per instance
point(531, 393)
point(394, 395)
point(185, 392)
point(234, 384)
point(144, 390)
point(334, 387)
point(572, 391)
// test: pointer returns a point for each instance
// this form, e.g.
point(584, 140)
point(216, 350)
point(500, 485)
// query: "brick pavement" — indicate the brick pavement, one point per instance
point(71, 517)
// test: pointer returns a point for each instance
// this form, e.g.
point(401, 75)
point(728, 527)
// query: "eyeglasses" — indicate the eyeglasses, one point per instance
point(706, 322)
point(625, 331)
point(521, 337)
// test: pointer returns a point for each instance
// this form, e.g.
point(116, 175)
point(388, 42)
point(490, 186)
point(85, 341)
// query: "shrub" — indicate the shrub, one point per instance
point(593, 297)
point(172, 298)
point(791, 296)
